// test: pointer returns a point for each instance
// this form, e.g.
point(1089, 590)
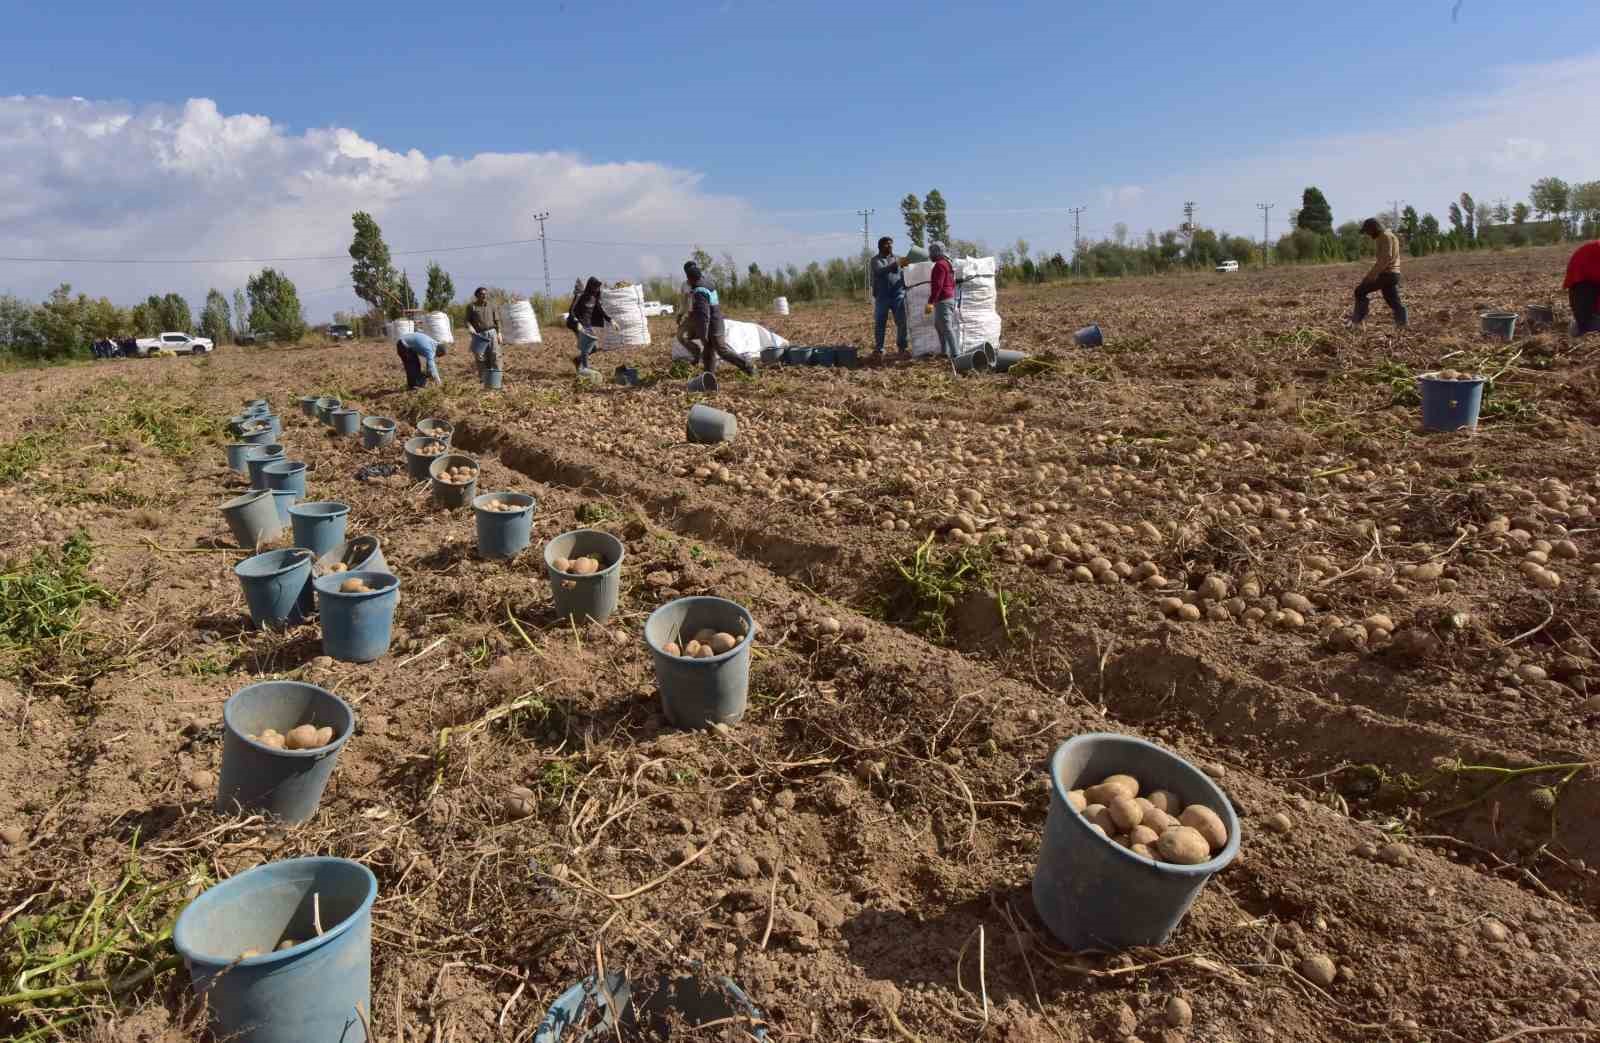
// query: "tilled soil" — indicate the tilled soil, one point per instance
point(950, 577)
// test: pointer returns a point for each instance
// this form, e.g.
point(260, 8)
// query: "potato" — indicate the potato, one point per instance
point(1076, 800)
point(562, 564)
point(324, 735)
point(1144, 851)
point(585, 566)
point(302, 737)
point(1207, 823)
point(269, 738)
point(1111, 788)
point(354, 585)
point(704, 635)
point(721, 643)
point(338, 566)
point(703, 652)
point(671, 648)
point(1166, 800)
point(692, 650)
point(1125, 812)
point(1184, 846)
point(1158, 820)
point(1188, 613)
point(287, 943)
point(519, 802)
point(1143, 834)
point(1214, 588)
point(1095, 813)
point(249, 954)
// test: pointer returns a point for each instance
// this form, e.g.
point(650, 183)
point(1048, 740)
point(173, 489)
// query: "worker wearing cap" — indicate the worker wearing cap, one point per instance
point(483, 322)
point(415, 349)
point(942, 299)
point(1583, 288)
point(703, 330)
point(1384, 276)
point(888, 297)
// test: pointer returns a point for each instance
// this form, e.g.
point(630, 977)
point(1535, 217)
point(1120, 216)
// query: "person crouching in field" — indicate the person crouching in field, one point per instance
point(1384, 276)
point(414, 350)
point(1583, 288)
point(703, 330)
point(585, 315)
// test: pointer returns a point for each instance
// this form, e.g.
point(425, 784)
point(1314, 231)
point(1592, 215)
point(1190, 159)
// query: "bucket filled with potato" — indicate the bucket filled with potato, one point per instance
point(357, 613)
point(701, 648)
point(453, 480)
point(420, 453)
point(280, 742)
point(504, 523)
point(1134, 832)
point(584, 567)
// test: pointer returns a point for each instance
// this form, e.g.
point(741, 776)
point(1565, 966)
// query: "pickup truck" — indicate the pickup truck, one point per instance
point(341, 331)
point(654, 308)
point(177, 343)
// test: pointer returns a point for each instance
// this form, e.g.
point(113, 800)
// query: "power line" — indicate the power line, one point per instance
point(866, 220)
point(1077, 226)
point(541, 217)
point(1266, 214)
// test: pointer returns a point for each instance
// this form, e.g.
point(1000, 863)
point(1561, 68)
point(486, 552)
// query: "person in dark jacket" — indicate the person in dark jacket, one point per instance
point(583, 318)
point(888, 298)
point(703, 331)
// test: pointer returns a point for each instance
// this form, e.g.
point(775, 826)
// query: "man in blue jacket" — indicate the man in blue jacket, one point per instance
point(888, 295)
point(414, 350)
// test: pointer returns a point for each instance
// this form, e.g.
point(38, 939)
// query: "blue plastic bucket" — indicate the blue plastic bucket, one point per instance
point(356, 627)
point(416, 464)
point(975, 361)
point(236, 457)
point(277, 586)
point(344, 421)
point(451, 495)
point(319, 525)
point(502, 534)
point(325, 407)
point(308, 405)
point(1004, 359)
point(258, 457)
point(490, 378)
point(706, 381)
point(771, 356)
point(433, 427)
point(1090, 336)
point(258, 403)
point(585, 597)
point(685, 1002)
point(283, 499)
point(1449, 405)
point(1539, 316)
point(710, 425)
point(252, 518)
point(285, 475)
point(697, 693)
point(277, 425)
point(797, 356)
point(847, 358)
point(357, 554)
point(284, 783)
point(1092, 892)
point(264, 436)
point(377, 432)
point(1501, 325)
point(306, 994)
point(626, 376)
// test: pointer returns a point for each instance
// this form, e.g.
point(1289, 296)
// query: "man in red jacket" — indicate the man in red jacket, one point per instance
point(1583, 288)
point(942, 299)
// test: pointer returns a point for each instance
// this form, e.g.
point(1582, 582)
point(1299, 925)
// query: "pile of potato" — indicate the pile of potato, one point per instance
point(585, 566)
point(1453, 374)
point(300, 737)
point(432, 449)
point(355, 585)
point(1156, 826)
point(705, 644)
point(502, 507)
point(461, 474)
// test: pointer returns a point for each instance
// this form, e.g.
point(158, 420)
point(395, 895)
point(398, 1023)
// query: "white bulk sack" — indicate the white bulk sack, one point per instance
point(400, 327)
point(780, 306)
point(436, 324)
point(977, 320)
point(745, 339)
point(518, 324)
point(627, 328)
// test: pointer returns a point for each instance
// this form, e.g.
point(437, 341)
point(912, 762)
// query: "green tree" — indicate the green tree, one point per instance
point(916, 220)
point(441, 292)
point(1468, 212)
point(1585, 205)
point(1457, 225)
point(214, 317)
point(1315, 213)
point(405, 298)
point(275, 305)
point(373, 271)
point(174, 314)
point(1550, 195)
point(1409, 222)
point(1501, 213)
point(241, 312)
point(1519, 213)
point(937, 217)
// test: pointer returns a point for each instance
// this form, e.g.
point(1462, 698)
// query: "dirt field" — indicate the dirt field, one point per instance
point(857, 852)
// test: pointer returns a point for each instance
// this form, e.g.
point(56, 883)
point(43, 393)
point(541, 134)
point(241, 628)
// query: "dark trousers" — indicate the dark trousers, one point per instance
point(1388, 284)
point(711, 346)
point(415, 376)
point(1582, 296)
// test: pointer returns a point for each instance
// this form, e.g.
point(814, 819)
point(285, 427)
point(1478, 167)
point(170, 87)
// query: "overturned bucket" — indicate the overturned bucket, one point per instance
point(503, 533)
point(585, 596)
point(452, 494)
point(277, 587)
point(710, 425)
point(356, 625)
point(1090, 336)
point(258, 777)
point(357, 554)
point(1092, 892)
point(697, 693)
point(977, 360)
point(317, 988)
point(377, 432)
point(688, 1002)
point(253, 518)
point(1004, 359)
point(706, 381)
point(319, 526)
point(418, 462)
point(238, 456)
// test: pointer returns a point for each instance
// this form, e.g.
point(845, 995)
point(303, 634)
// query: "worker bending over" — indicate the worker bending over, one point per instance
point(414, 350)
point(1384, 276)
point(703, 331)
point(1583, 288)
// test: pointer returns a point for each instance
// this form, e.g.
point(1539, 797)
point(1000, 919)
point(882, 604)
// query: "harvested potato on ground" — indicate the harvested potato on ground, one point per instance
point(519, 802)
point(1183, 846)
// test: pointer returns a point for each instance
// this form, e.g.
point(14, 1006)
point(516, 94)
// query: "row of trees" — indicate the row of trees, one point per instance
point(65, 324)
point(386, 290)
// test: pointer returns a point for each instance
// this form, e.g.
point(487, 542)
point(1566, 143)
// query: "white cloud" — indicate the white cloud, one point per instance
point(103, 179)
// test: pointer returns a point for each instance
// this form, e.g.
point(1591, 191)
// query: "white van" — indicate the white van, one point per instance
point(1228, 266)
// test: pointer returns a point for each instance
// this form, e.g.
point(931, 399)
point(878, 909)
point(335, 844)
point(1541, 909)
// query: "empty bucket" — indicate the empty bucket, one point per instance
point(433, 428)
point(236, 457)
point(649, 1011)
point(277, 425)
point(1501, 325)
point(285, 783)
point(847, 358)
point(257, 457)
point(1004, 359)
point(253, 518)
point(357, 554)
point(417, 463)
point(585, 597)
point(308, 993)
point(452, 494)
point(975, 361)
point(797, 356)
point(1449, 405)
point(283, 499)
point(356, 625)
point(377, 432)
point(706, 381)
point(710, 425)
point(1092, 892)
point(285, 474)
point(344, 421)
point(325, 406)
point(319, 525)
point(308, 405)
point(697, 693)
point(1090, 336)
point(277, 587)
point(626, 376)
point(502, 533)
point(490, 378)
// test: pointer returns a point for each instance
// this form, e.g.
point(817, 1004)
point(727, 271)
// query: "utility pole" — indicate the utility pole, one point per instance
point(1188, 220)
point(866, 219)
point(1077, 227)
point(1266, 216)
point(1394, 205)
point(544, 248)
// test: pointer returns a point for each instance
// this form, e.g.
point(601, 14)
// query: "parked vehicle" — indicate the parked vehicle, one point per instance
point(1228, 266)
point(177, 343)
point(339, 331)
point(253, 337)
point(654, 308)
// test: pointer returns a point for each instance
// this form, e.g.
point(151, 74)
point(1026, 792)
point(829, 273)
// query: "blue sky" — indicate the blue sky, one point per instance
point(792, 116)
